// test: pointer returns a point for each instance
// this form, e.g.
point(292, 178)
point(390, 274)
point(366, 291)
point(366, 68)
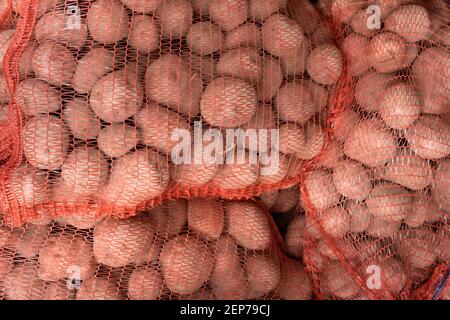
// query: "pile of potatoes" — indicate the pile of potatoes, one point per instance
point(201, 248)
point(106, 85)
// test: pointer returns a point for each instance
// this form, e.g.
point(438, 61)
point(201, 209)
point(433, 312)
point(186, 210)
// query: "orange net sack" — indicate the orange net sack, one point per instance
point(377, 215)
point(116, 105)
point(197, 249)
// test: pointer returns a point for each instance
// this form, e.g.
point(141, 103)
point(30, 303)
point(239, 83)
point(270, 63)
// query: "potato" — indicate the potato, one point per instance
point(157, 126)
point(334, 221)
point(417, 248)
point(29, 185)
point(169, 80)
point(325, 64)
point(108, 21)
point(298, 102)
point(339, 282)
point(441, 36)
point(4, 92)
point(400, 106)
point(343, 10)
point(83, 218)
point(248, 224)
point(321, 190)
point(393, 275)
point(399, 21)
point(22, 283)
point(244, 63)
point(170, 217)
point(321, 35)
point(144, 33)
point(85, 170)
point(287, 199)
point(116, 96)
point(246, 35)
point(205, 38)
point(117, 242)
point(263, 274)
point(387, 6)
point(370, 88)
point(314, 142)
point(356, 49)
point(42, 7)
point(140, 6)
point(186, 264)
point(25, 66)
point(352, 180)
point(228, 102)
point(409, 171)
point(228, 14)
point(359, 215)
point(81, 120)
point(440, 185)
point(53, 63)
point(412, 51)
point(145, 284)
point(37, 97)
point(331, 155)
point(370, 144)
point(60, 253)
point(175, 17)
point(91, 67)
point(281, 36)
point(203, 66)
point(295, 63)
point(262, 9)
point(206, 217)
point(390, 202)
point(429, 137)
point(359, 23)
point(387, 51)
point(343, 123)
point(45, 142)
point(383, 228)
point(294, 236)
point(6, 265)
point(117, 139)
point(228, 279)
point(201, 6)
point(6, 37)
point(304, 13)
point(98, 289)
point(58, 291)
point(27, 240)
point(55, 26)
point(292, 138)
point(4, 234)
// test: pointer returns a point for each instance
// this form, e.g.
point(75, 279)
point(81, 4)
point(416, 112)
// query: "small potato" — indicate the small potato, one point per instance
point(116, 96)
point(175, 17)
point(400, 106)
point(37, 97)
point(205, 38)
point(440, 186)
point(169, 80)
point(91, 67)
point(56, 26)
point(294, 236)
point(61, 253)
point(287, 199)
point(81, 120)
point(145, 284)
point(383, 228)
point(206, 217)
point(343, 10)
point(144, 34)
point(314, 142)
point(295, 283)
point(321, 190)
point(248, 224)
point(387, 51)
point(417, 248)
point(228, 102)
point(352, 180)
point(98, 289)
point(263, 273)
point(117, 242)
point(370, 88)
point(140, 6)
point(292, 138)
point(246, 35)
point(262, 9)
point(325, 64)
point(334, 221)
point(429, 137)
point(339, 282)
point(359, 215)
point(85, 170)
point(281, 36)
point(412, 22)
point(53, 63)
point(390, 202)
point(228, 14)
point(186, 264)
point(370, 144)
point(117, 139)
point(108, 21)
point(228, 279)
point(244, 63)
point(22, 283)
point(356, 49)
point(409, 171)
point(29, 185)
point(157, 126)
point(170, 217)
point(45, 142)
point(27, 240)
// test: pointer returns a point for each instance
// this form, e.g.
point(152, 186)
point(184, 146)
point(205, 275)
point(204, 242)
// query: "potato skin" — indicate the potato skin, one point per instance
point(263, 274)
point(37, 97)
point(295, 283)
point(140, 6)
point(325, 64)
point(117, 139)
point(170, 217)
point(145, 284)
point(205, 38)
point(81, 119)
point(22, 283)
point(144, 33)
point(352, 180)
point(175, 17)
point(388, 201)
point(30, 185)
point(206, 217)
point(228, 14)
point(98, 289)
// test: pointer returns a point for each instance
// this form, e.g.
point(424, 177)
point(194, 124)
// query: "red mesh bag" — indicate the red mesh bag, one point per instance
point(195, 249)
point(377, 198)
point(117, 105)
